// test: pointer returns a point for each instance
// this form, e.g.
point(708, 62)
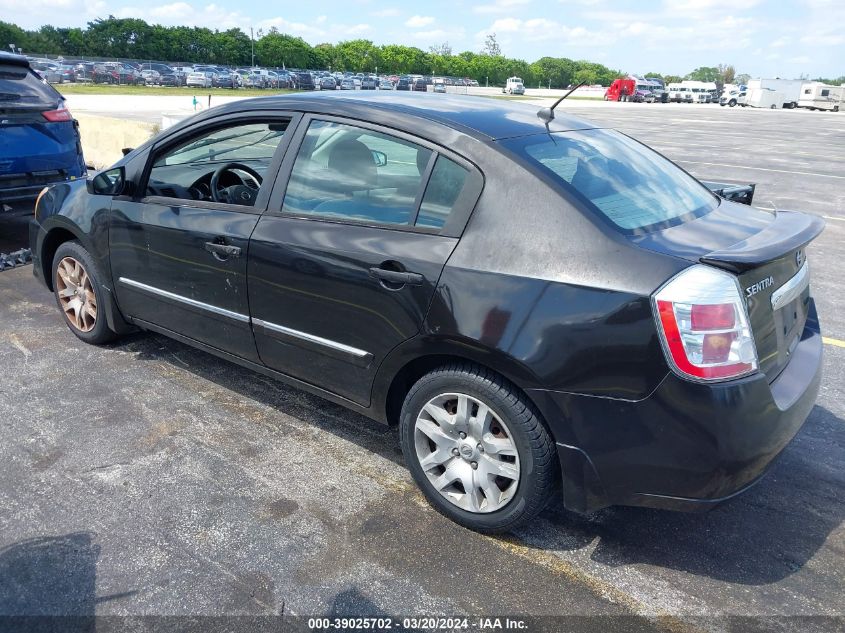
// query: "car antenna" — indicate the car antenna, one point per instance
point(547, 114)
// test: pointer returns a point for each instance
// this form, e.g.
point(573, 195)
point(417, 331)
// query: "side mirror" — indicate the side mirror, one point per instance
point(111, 182)
point(379, 158)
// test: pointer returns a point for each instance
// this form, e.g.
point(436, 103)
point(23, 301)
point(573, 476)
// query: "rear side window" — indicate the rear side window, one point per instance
point(445, 186)
point(626, 183)
point(20, 86)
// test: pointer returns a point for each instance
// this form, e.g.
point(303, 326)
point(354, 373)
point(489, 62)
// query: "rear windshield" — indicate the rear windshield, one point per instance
point(21, 87)
point(625, 182)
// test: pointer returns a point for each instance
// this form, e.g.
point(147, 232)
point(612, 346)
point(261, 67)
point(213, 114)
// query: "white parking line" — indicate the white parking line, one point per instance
point(830, 217)
point(782, 171)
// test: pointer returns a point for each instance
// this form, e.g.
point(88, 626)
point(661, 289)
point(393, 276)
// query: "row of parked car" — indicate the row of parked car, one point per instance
point(214, 76)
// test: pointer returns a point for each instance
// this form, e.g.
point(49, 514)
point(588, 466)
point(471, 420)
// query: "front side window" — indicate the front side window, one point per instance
point(626, 183)
point(227, 164)
point(349, 173)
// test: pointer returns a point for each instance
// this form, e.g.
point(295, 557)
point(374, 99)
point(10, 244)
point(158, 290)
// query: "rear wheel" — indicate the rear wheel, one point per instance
point(477, 448)
point(77, 285)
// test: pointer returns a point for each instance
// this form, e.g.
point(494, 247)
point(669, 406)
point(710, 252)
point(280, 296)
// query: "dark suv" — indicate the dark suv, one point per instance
point(537, 302)
point(304, 81)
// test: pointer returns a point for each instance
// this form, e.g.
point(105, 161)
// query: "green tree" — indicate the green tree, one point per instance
point(13, 34)
point(277, 49)
point(704, 73)
point(727, 73)
point(491, 46)
point(359, 55)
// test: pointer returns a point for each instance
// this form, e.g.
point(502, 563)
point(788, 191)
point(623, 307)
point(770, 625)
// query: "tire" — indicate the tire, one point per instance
point(732, 102)
point(88, 327)
point(519, 461)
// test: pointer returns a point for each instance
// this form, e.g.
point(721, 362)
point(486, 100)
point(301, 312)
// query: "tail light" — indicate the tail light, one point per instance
point(703, 325)
point(59, 114)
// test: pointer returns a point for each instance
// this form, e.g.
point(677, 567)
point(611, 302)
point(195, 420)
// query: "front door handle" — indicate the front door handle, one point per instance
point(222, 251)
point(397, 277)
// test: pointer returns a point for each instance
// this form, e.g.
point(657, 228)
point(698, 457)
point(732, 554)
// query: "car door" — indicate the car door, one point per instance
point(178, 257)
point(344, 263)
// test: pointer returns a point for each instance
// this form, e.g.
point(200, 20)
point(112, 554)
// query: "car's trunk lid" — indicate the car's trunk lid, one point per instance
point(767, 253)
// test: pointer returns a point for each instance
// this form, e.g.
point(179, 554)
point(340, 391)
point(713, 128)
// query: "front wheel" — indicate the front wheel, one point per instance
point(77, 285)
point(476, 447)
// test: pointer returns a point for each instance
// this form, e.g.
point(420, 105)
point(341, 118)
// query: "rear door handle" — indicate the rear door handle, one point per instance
point(397, 277)
point(222, 251)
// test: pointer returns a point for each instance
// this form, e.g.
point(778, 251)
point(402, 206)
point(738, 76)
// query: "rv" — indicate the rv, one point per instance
point(692, 92)
point(818, 96)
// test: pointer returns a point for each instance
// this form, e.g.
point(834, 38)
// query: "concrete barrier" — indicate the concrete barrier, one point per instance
point(103, 138)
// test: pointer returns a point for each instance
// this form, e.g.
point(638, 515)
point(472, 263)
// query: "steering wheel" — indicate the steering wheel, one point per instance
point(236, 194)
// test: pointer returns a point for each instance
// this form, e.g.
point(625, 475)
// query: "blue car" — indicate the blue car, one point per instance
point(40, 139)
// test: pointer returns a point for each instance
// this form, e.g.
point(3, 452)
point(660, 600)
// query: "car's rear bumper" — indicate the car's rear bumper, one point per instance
point(29, 191)
point(687, 446)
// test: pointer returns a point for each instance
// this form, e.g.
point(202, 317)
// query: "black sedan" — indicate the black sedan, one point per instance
point(535, 301)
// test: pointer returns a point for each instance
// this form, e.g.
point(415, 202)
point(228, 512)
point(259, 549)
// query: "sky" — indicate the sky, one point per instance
point(764, 38)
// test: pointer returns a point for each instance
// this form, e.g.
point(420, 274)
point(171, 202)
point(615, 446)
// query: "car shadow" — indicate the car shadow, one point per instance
point(758, 538)
point(49, 581)
point(761, 537)
point(325, 415)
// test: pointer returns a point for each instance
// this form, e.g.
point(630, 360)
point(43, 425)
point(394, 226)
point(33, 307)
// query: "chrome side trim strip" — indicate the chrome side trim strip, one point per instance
point(791, 289)
point(237, 316)
point(354, 351)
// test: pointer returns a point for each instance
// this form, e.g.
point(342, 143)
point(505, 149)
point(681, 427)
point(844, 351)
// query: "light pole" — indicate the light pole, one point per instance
point(252, 44)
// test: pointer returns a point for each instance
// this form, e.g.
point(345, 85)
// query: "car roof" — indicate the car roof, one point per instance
point(489, 117)
point(16, 60)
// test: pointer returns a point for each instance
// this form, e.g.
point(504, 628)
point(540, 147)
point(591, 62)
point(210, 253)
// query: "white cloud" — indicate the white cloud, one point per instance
point(175, 11)
point(541, 29)
point(438, 36)
point(419, 21)
point(708, 6)
point(499, 6)
point(389, 12)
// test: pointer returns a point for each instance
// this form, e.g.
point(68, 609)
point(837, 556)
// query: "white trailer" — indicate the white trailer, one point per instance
point(818, 96)
point(789, 88)
point(764, 98)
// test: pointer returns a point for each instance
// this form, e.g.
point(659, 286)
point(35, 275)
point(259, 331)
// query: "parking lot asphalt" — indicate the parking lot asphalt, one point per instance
point(146, 477)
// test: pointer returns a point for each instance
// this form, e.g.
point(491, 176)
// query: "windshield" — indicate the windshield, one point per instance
point(626, 183)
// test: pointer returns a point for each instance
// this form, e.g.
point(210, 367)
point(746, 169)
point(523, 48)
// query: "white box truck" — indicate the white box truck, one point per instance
point(818, 96)
point(790, 90)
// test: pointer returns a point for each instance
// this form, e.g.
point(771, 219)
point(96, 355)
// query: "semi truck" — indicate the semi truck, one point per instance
point(689, 91)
